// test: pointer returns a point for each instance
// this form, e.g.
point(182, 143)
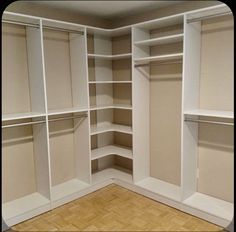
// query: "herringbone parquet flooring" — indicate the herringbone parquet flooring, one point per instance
point(114, 208)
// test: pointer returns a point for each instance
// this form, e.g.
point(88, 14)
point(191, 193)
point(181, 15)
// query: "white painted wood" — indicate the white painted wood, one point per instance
point(140, 113)
point(78, 70)
point(35, 69)
point(114, 106)
point(67, 111)
point(210, 113)
point(147, 60)
point(160, 40)
point(23, 205)
point(109, 57)
point(190, 100)
point(111, 150)
point(67, 188)
point(109, 82)
point(214, 206)
point(98, 129)
point(8, 117)
point(161, 187)
point(41, 159)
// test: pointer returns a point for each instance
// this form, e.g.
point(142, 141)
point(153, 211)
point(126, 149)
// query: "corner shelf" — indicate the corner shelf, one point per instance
point(214, 206)
point(111, 127)
point(160, 187)
point(147, 60)
point(111, 150)
point(110, 82)
point(210, 113)
point(109, 57)
point(161, 40)
point(114, 106)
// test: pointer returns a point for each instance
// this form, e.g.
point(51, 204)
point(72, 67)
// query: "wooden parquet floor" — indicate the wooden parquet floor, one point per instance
point(114, 208)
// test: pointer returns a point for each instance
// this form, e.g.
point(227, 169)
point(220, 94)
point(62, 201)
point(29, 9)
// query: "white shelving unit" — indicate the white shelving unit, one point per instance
point(111, 106)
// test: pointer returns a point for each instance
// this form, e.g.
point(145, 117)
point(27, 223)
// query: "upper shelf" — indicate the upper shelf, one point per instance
point(67, 111)
point(114, 106)
point(161, 40)
point(210, 113)
point(109, 57)
point(7, 117)
point(147, 60)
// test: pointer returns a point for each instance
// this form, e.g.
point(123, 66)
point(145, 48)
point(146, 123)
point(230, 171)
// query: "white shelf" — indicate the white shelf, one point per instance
point(211, 205)
point(109, 82)
point(7, 117)
point(111, 150)
point(67, 111)
point(23, 205)
point(111, 127)
point(67, 188)
point(161, 187)
point(114, 106)
point(109, 57)
point(113, 172)
point(161, 40)
point(146, 60)
point(210, 113)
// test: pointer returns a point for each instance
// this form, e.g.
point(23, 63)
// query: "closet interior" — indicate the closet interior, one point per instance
point(147, 106)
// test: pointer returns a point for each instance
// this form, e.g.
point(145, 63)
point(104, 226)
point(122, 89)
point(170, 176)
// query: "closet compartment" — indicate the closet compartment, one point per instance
point(109, 120)
point(158, 41)
point(26, 188)
point(69, 156)
point(109, 56)
point(117, 95)
point(107, 144)
point(22, 73)
point(208, 118)
point(65, 67)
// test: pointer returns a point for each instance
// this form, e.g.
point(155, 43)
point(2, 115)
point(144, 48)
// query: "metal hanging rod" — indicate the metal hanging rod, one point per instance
point(67, 118)
point(207, 17)
point(23, 124)
point(210, 122)
point(159, 63)
point(44, 27)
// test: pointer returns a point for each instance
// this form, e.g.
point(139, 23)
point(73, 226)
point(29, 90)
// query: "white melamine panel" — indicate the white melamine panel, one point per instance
point(161, 187)
point(210, 113)
point(110, 57)
point(140, 102)
point(8, 117)
point(111, 150)
point(97, 129)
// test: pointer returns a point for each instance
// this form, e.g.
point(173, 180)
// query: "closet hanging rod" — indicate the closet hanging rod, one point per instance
point(158, 64)
point(207, 17)
point(23, 124)
point(210, 122)
point(67, 118)
point(44, 27)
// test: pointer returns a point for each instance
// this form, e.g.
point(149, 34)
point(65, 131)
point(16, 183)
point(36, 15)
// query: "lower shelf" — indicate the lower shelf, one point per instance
point(161, 187)
point(67, 188)
point(211, 205)
point(23, 205)
point(113, 172)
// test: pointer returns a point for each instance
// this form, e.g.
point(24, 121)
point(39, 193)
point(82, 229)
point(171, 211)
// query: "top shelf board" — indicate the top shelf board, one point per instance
point(210, 113)
point(161, 40)
point(109, 57)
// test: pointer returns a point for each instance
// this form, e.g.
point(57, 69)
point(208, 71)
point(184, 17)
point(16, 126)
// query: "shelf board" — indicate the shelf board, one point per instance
point(67, 188)
point(67, 111)
point(113, 172)
point(7, 117)
point(109, 82)
point(114, 106)
point(111, 150)
point(161, 40)
point(160, 187)
point(210, 113)
point(211, 205)
point(23, 205)
point(147, 60)
point(109, 57)
point(110, 127)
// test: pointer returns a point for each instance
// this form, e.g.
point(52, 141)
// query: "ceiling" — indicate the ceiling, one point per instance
point(107, 9)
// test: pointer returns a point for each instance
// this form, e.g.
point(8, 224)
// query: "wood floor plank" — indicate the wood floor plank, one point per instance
point(114, 208)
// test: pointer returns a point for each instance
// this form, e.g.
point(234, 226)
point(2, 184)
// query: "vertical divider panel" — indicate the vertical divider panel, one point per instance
point(140, 114)
point(46, 107)
point(190, 100)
